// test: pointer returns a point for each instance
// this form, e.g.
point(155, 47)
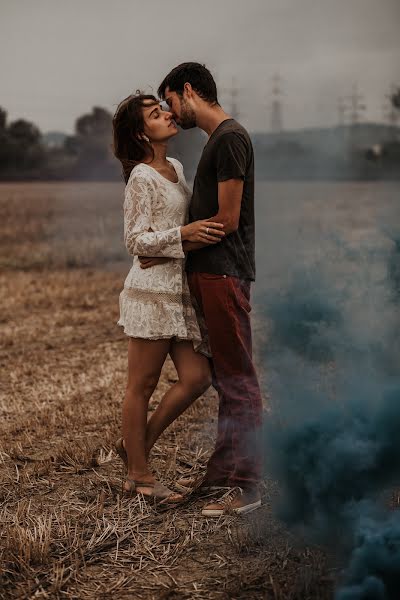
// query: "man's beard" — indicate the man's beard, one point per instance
point(187, 119)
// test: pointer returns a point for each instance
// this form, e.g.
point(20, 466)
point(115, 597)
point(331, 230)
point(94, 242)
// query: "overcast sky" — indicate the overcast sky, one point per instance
point(58, 58)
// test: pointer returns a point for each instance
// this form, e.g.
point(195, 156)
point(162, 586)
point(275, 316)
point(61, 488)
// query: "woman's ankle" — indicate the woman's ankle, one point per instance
point(141, 476)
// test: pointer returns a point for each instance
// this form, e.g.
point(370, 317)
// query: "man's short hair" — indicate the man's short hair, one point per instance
point(194, 73)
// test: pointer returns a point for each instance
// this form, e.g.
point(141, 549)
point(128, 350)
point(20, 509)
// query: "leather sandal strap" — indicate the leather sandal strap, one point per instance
point(135, 483)
point(159, 490)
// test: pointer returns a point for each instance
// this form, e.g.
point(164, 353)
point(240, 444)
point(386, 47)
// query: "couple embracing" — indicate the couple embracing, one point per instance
point(187, 293)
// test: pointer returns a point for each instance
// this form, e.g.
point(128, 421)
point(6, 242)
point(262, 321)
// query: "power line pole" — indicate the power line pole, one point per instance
point(233, 94)
point(357, 106)
point(276, 123)
point(341, 108)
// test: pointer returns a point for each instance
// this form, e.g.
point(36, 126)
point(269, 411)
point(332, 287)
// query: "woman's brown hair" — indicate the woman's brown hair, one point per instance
point(128, 128)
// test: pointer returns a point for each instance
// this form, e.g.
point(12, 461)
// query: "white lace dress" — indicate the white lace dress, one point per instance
point(155, 303)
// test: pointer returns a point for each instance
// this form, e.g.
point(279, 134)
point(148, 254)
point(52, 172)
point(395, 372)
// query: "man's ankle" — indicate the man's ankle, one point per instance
point(249, 490)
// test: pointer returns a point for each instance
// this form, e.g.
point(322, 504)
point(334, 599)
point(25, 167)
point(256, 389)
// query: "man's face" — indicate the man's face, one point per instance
point(182, 112)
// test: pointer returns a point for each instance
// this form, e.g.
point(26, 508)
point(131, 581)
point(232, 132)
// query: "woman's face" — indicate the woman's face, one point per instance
point(158, 123)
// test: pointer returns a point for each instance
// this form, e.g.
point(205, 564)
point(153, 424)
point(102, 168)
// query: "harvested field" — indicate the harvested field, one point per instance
point(67, 531)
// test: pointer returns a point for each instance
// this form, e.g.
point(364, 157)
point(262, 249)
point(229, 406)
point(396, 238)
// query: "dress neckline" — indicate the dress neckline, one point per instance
point(162, 176)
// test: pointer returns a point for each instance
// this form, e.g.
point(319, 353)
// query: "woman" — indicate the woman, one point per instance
point(155, 306)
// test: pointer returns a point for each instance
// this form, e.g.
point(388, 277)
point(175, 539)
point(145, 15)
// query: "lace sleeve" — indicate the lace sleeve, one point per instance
point(139, 236)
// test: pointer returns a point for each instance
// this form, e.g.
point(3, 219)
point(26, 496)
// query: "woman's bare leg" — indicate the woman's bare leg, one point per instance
point(145, 361)
point(194, 379)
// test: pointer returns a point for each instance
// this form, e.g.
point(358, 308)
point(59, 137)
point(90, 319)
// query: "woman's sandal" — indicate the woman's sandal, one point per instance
point(160, 492)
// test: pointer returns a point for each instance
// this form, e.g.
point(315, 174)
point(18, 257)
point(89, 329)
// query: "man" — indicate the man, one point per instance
point(219, 277)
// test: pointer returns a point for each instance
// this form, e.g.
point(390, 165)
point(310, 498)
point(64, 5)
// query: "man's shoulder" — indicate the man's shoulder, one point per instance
point(233, 131)
point(238, 127)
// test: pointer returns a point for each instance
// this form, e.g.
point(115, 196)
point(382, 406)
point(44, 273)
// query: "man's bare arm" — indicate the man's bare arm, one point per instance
point(192, 234)
point(190, 246)
point(230, 194)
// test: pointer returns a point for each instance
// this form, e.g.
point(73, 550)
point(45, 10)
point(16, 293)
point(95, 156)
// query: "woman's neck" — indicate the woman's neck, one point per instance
point(160, 154)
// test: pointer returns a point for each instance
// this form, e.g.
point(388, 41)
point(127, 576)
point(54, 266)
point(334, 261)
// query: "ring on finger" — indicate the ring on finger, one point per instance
point(207, 228)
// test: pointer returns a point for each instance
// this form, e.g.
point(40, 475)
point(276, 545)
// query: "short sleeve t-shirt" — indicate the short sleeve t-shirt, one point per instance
point(228, 154)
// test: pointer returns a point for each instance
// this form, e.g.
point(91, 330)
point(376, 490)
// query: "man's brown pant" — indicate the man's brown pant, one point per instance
point(225, 304)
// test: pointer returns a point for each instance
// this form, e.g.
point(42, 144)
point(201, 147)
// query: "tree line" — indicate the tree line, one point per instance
point(357, 153)
point(86, 154)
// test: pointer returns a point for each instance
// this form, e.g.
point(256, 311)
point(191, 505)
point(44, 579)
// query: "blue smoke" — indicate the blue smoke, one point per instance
point(332, 356)
point(334, 460)
point(341, 309)
point(374, 570)
point(394, 266)
point(302, 316)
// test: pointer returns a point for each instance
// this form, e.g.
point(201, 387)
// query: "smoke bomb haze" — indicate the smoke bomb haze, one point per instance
point(332, 368)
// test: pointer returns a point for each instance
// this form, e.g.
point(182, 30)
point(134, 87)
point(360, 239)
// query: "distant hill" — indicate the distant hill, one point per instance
point(363, 151)
point(327, 153)
point(331, 138)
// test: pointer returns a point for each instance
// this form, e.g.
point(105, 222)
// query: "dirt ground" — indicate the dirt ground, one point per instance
point(67, 531)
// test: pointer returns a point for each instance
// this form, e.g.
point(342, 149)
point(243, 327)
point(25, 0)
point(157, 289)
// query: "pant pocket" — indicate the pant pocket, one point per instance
point(241, 290)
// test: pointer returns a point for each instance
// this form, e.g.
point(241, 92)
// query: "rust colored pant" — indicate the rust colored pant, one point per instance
point(224, 302)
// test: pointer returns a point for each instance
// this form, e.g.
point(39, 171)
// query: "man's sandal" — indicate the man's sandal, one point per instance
point(160, 492)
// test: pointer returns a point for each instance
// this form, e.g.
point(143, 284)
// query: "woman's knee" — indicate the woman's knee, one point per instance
point(143, 386)
point(198, 381)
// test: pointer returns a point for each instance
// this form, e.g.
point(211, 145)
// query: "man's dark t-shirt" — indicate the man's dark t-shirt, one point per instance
point(228, 154)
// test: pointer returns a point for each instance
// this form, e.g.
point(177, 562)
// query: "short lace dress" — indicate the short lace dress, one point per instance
point(155, 303)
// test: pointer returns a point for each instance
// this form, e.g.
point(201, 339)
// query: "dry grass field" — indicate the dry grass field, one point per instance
point(66, 529)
